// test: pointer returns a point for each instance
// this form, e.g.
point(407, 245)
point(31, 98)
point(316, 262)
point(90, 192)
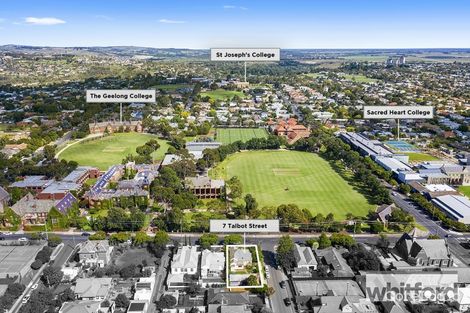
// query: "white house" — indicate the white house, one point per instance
point(212, 263)
point(144, 288)
point(185, 261)
point(304, 257)
point(240, 259)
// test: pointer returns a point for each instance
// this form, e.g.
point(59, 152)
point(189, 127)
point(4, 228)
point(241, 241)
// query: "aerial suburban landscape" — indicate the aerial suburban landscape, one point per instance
point(224, 176)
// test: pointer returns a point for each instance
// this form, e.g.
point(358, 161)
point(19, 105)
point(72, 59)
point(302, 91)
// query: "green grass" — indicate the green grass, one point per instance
point(282, 177)
point(358, 78)
point(419, 157)
point(222, 94)
point(465, 190)
point(110, 150)
point(229, 135)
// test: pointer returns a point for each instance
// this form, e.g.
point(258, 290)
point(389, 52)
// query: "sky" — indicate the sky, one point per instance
point(327, 24)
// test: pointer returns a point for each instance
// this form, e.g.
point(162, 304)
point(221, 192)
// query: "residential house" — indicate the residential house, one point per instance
point(91, 306)
point(304, 257)
point(212, 268)
point(384, 212)
point(92, 288)
point(227, 302)
point(423, 252)
point(137, 307)
point(337, 265)
point(241, 257)
point(95, 252)
point(185, 261)
point(341, 304)
point(144, 288)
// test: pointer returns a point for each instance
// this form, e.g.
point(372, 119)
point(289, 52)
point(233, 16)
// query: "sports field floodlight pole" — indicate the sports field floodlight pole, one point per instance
point(245, 71)
point(398, 128)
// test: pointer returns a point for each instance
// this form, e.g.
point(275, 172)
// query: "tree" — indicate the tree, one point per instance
point(323, 241)
point(193, 289)
point(67, 295)
point(99, 235)
point(285, 252)
point(49, 152)
point(233, 239)
point(161, 238)
point(15, 289)
point(235, 188)
point(166, 302)
point(251, 280)
point(361, 259)
point(44, 255)
point(405, 188)
point(54, 240)
point(36, 264)
point(376, 227)
point(208, 240)
point(121, 301)
point(342, 239)
point(127, 271)
point(290, 213)
point(250, 204)
point(51, 276)
point(140, 239)
point(383, 242)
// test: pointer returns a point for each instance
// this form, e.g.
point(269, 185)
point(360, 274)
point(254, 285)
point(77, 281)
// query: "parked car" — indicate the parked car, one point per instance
point(35, 286)
point(25, 299)
point(283, 284)
point(7, 233)
point(287, 301)
point(23, 239)
point(86, 234)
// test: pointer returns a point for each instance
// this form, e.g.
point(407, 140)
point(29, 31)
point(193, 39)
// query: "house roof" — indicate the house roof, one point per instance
point(335, 260)
point(212, 260)
point(353, 304)
point(29, 204)
point(304, 256)
point(80, 307)
point(434, 248)
point(243, 255)
point(92, 287)
point(32, 182)
point(94, 246)
point(227, 298)
point(4, 195)
point(186, 257)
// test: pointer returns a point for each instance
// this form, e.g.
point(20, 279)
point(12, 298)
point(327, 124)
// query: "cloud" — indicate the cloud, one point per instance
point(166, 21)
point(43, 21)
point(233, 7)
point(2, 20)
point(104, 17)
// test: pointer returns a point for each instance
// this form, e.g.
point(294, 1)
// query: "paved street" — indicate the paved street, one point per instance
point(276, 276)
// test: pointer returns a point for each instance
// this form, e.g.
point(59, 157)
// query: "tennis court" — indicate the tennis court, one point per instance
point(402, 146)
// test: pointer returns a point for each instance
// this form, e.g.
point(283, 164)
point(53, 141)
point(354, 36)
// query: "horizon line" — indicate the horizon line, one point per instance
point(186, 48)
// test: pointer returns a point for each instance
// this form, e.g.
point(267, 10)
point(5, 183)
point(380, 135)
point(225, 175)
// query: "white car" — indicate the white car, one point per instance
point(8, 233)
point(35, 286)
point(23, 239)
point(25, 299)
